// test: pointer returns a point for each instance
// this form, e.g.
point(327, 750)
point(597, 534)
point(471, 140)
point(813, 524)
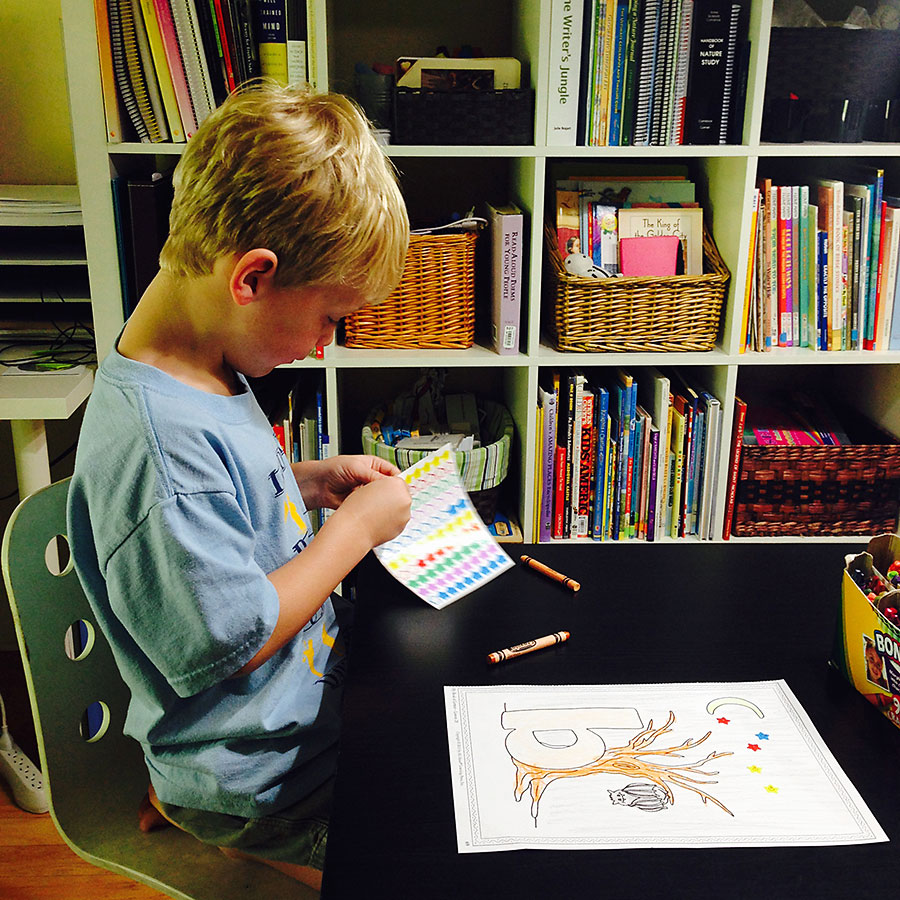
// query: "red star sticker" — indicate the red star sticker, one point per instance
point(422, 563)
point(723, 720)
point(753, 747)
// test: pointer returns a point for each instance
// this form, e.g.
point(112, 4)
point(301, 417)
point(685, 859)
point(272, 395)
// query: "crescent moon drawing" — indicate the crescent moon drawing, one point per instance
point(713, 705)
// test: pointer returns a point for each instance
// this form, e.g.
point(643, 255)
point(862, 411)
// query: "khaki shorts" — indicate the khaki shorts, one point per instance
point(297, 834)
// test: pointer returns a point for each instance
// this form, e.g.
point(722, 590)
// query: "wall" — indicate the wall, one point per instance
point(35, 148)
point(35, 127)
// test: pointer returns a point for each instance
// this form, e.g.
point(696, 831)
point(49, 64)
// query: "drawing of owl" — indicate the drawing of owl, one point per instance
point(643, 795)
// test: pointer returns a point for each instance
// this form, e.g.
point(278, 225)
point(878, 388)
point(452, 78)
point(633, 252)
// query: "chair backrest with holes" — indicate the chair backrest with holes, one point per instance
point(95, 786)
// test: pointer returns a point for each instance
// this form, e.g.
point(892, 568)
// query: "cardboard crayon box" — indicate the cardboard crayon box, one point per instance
point(867, 643)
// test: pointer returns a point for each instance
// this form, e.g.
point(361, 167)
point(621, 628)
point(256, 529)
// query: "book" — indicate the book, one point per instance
point(646, 53)
point(709, 475)
point(734, 463)
point(559, 492)
point(505, 224)
point(149, 202)
point(631, 71)
point(601, 476)
point(564, 62)
point(196, 68)
point(176, 66)
point(212, 48)
point(123, 45)
point(547, 400)
point(161, 68)
point(158, 117)
point(271, 29)
point(586, 451)
point(710, 80)
point(296, 34)
point(831, 214)
point(684, 223)
point(617, 87)
point(107, 74)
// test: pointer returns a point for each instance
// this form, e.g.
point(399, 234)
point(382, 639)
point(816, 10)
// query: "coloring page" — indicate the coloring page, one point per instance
point(647, 765)
point(445, 551)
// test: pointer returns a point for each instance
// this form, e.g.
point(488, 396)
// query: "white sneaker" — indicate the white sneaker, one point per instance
point(24, 778)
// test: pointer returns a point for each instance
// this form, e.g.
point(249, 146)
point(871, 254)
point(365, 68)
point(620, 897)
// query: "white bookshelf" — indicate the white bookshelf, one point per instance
point(347, 32)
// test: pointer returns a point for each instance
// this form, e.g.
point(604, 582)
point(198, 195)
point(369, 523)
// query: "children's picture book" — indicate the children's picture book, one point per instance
point(608, 767)
point(683, 223)
point(659, 255)
point(445, 551)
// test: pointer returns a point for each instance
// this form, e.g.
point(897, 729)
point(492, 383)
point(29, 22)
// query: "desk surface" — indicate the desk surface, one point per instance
point(671, 613)
point(44, 395)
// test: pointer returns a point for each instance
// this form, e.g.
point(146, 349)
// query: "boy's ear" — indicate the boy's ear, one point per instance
point(252, 273)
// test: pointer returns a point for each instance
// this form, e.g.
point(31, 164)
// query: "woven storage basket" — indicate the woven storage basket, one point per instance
point(482, 469)
point(600, 315)
point(818, 490)
point(433, 307)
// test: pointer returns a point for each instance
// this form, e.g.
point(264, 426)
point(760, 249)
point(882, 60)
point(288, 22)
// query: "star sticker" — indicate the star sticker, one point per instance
point(771, 789)
point(755, 769)
point(761, 736)
point(753, 747)
point(722, 720)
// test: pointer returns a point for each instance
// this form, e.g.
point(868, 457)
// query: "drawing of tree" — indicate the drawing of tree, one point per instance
point(629, 761)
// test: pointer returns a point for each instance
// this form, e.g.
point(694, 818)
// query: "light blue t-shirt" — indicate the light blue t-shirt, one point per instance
point(181, 503)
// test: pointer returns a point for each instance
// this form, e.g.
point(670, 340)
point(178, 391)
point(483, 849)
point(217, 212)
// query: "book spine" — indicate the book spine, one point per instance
point(729, 74)
point(549, 448)
point(734, 466)
point(875, 245)
point(706, 83)
point(631, 45)
point(176, 66)
point(652, 505)
point(784, 266)
point(605, 64)
point(617, 99)
point(795, 257)
point(647, 61)
point(566, 18)
point(573, 453)
point(506, 292)
point(107, 74)
point(161, 66)
point(559, 493)
point(157, 115)
point(272, 33)
point(124, 50)
point(598, 530)
point(803, 279)
point(682, 70)
point(879, 279)
point(587, 448)
point(298, 70)
point(232, 76)
point(195, 69)
point(822, 289)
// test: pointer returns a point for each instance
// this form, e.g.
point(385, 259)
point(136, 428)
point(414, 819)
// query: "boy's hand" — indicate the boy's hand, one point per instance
point(380, 509)
point(327, 483)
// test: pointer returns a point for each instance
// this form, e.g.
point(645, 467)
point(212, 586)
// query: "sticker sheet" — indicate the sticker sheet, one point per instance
point(445, 551)
point(647, 765)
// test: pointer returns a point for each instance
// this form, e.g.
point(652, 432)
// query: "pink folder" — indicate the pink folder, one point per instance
point(657, 256)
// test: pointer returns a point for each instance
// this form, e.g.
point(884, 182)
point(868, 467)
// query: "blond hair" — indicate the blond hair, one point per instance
point(295, 172)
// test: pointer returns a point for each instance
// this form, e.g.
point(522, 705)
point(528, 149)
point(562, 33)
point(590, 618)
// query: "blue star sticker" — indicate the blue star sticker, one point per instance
point(761, 736)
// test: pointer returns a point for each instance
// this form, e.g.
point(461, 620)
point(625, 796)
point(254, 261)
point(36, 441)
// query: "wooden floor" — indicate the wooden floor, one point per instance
point(35, 863)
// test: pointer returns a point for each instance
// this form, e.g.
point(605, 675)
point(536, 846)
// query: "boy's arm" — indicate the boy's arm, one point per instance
point(374, 513)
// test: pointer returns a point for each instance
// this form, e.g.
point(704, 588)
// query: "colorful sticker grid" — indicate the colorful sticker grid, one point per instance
point(445, 551)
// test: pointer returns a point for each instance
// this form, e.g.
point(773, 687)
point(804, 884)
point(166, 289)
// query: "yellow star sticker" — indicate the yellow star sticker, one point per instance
point(771, 789)
point(754, 768)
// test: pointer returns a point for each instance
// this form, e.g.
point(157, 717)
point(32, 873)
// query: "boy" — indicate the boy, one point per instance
point(187, 524)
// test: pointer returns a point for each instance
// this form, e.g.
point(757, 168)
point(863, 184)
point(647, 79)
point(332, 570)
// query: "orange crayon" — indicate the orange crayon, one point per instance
point(528, 647)
point(564, 580)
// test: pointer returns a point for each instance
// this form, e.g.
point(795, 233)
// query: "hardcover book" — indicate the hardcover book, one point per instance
point(565, 63)
point(506, 224)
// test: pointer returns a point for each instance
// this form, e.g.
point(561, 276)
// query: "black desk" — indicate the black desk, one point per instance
point(671, 613)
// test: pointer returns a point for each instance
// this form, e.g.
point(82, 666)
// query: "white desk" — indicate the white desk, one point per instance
point(27, 400)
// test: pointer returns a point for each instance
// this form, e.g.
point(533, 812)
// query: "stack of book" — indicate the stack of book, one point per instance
point(624, 459)
point(647, 72)
point(166, 64)
point(595, 213)
point(822, 268)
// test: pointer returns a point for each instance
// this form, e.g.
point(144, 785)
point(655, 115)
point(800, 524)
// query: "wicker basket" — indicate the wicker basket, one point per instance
point(828, 490)
point(601, 315)
point(433, 307)
point(482, 470)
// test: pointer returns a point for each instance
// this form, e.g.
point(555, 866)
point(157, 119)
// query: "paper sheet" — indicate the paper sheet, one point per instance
point(657, 765)
point(445, 551)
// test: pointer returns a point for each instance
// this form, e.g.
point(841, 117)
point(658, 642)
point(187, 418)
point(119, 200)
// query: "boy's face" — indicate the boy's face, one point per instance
point(290, 322)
